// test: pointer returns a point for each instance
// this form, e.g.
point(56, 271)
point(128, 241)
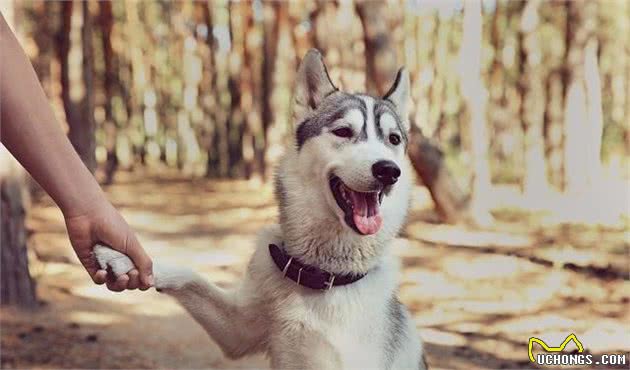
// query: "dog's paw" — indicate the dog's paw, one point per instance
point(108, 258)
point(172, 278)
point(167, 278)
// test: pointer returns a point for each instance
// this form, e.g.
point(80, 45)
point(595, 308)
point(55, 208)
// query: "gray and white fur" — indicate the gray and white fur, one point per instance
point(362, 325)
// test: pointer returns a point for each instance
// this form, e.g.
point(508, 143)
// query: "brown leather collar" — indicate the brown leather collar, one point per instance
point(307, 275)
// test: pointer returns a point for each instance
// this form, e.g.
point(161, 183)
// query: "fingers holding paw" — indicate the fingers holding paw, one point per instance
point(109, 259)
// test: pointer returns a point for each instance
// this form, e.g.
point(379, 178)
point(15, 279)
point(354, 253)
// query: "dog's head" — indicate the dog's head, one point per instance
point(350, 150)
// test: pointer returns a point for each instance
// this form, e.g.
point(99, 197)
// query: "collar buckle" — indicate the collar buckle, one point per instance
point(286, 267)
point(330, 282)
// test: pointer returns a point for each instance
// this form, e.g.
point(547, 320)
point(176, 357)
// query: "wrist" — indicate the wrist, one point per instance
point(84, 204)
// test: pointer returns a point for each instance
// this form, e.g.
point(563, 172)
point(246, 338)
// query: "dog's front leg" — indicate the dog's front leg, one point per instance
point(230, 321)
point(227, 317)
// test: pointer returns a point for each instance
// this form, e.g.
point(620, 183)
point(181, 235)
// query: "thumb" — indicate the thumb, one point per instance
point(141, 259)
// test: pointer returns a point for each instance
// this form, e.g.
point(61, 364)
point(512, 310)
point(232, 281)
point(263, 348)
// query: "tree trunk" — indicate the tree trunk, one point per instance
point(77, 80)
point(110, 82)
point(593, 86)
point(272, 27)
point(532, 109)
point(44, 38)
point(426, 157)
point(582, 118)
point(428, 160)
point(219, 153)
point(251, 101)
point(475, 96)
point(210, 92)
point(134, 34)
point(381, 65)
point(16, 285)
point(187, 124)
point(280, 64)
point(438, 90)
point(236, 125)
point(553, 129)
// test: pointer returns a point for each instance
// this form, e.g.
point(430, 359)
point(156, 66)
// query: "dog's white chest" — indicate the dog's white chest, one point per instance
point(346, 323)
point(359, 343)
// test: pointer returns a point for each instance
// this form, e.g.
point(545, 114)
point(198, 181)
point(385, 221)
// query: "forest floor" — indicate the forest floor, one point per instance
point(476, 296)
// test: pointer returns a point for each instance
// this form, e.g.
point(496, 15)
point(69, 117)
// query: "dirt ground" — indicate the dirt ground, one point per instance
point(476, 296)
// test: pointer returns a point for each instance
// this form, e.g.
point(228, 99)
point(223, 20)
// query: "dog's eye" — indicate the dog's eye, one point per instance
point(343, 132)
point(394, 139)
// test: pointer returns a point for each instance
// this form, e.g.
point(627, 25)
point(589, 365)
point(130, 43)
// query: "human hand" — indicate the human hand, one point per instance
point(104, 225)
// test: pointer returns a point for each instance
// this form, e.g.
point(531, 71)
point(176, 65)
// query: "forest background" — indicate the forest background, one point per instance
point(520, 142)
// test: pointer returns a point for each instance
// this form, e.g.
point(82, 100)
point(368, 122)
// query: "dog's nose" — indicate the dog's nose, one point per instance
point(387, 172)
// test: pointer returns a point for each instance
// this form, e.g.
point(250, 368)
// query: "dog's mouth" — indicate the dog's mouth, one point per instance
point(361, 209)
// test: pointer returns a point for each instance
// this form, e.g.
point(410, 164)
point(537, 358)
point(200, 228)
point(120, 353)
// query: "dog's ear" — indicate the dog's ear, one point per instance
point(312, 85)
point(398, 94)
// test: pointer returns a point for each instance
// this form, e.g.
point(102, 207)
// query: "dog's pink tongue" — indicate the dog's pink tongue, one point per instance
point(365, 212)
point(368, 225)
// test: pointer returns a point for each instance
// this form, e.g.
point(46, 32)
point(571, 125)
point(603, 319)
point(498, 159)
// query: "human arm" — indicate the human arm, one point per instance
point(29, 130)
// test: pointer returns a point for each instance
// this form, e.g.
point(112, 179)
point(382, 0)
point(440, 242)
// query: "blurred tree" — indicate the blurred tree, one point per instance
point(16, 285)
point(151, 127)
point(552, 31)
point(208, 88)
point(532, 100)
point(380, 56)
point(219, 156)
point(110, 84)
point(251, 89)
point(429, 161)
point(437, 121)
point(582, 118)
point(553, 128)
point(122, 108)
point(170, 111)
point(209, 92)
point(136, 41)
point(504, 104)
point(614, 59)
point(75, 54)
point(475, 95)
point(43, 35)
point(189, 114)
point(238, 16)
point(276, 20)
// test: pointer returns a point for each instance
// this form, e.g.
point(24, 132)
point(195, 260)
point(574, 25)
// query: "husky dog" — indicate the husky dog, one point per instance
point(320, 288)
